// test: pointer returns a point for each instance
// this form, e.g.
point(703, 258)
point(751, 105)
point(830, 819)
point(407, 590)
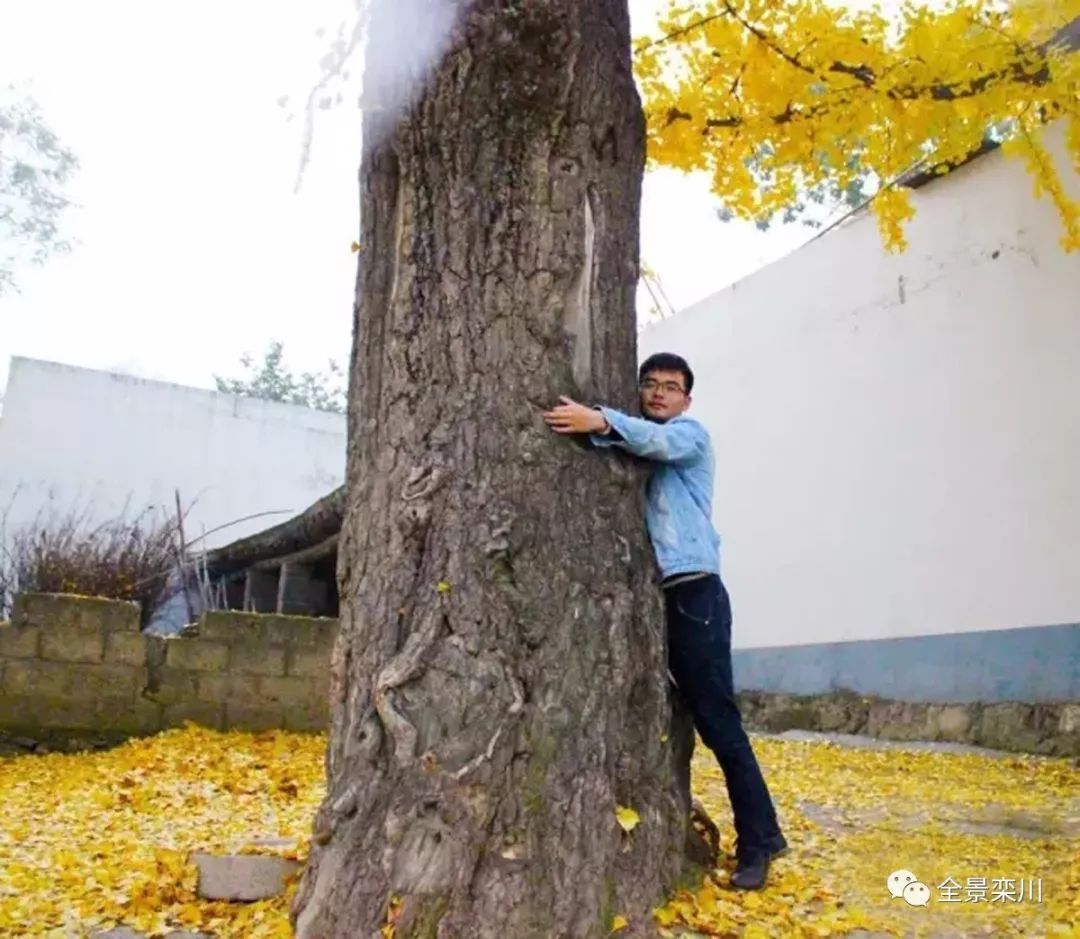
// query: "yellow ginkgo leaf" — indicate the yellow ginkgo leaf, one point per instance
point(666, 915)
point(619, 922)
point(442, 586)
point(627, 818)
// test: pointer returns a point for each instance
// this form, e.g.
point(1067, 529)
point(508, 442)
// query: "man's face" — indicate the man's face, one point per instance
point(663, 395)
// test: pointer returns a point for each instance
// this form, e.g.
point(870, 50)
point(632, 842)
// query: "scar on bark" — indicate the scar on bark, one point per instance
point(606, 146)
point(578, 311)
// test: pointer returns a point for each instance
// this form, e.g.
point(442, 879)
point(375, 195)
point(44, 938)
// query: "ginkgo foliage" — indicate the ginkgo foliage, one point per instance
point(774, 99)
point(97, 840)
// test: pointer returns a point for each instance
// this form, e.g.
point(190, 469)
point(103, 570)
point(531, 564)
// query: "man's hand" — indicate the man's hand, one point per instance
point(569, 417)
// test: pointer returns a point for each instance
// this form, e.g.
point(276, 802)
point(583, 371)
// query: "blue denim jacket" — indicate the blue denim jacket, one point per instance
point(678, 506)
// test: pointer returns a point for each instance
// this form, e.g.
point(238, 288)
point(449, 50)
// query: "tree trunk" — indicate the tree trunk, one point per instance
point(499, 684)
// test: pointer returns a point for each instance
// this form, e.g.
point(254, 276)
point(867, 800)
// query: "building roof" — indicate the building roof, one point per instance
point(309, 536)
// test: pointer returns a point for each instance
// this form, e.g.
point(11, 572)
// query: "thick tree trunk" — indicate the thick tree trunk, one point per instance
point(499, 684)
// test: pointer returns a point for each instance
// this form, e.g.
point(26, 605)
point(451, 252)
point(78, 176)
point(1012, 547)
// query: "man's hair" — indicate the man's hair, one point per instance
point(667, 362)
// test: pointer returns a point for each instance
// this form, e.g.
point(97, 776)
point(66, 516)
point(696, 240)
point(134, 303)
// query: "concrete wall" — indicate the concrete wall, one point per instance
point(898, 449)
point(80, 664)
point(76, 436)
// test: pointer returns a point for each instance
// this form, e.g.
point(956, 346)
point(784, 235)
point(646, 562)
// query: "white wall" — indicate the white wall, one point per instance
point(898, 437)
point(88, 438)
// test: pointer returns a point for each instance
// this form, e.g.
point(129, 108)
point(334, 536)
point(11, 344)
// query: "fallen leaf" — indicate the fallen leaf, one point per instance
point(627, 818)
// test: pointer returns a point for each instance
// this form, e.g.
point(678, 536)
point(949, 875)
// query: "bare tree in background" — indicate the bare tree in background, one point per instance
point(34, 168)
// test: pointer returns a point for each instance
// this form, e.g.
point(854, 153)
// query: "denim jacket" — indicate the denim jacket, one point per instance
point(678, 496)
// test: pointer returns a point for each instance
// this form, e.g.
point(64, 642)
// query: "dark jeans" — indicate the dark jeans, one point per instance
point(699, 657)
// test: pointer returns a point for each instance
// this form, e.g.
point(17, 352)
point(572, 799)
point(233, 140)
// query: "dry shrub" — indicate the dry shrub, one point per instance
point(122, 559)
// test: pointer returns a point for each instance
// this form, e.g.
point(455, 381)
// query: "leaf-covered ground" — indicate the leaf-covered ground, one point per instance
point(92, 840)
point(965, 824)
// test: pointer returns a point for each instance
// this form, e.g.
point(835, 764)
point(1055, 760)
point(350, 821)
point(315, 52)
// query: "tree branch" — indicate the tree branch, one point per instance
point(765, 38)
point(1067, 39)
point(689, 28)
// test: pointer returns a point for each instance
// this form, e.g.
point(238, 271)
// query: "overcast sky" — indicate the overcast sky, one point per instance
point(192, 246)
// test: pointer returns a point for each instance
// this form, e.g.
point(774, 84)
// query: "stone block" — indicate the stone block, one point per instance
point(112, 615)
point(43, 609)
point(106, 681)
point(1064, 745)
point(241, 716)
point(230, 626)
point(308, 718)
point(309, 631)
point(48, 712)
point(31, 676)
point(242, 877)
point(212, 687)
point(61, 609)
point(794, 714)
point(1008, 726)
point(172, 685)
point(73, 643)
point(308, 662)
point(142, 716)
point(222, 686)
point(1069, 719)
point(950, 722)
point(238, 845)
point(275, 629)
point(125, 648)
point(19, 642)
point(14, 711)
point(204, 713)
point(256, 658)
point(197, 655)
point(898, 720)
point(840, 713)
point(286, 691)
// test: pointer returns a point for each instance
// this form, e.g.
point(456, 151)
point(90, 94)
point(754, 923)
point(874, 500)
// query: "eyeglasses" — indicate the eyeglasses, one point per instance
point(668, 387)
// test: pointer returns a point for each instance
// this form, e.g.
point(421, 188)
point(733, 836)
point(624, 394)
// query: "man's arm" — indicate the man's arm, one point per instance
point(678, 442)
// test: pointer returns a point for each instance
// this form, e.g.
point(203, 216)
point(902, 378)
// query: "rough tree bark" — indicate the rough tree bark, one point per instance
point(499, 684)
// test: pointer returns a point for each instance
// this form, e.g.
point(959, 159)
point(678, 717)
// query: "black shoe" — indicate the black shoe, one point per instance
point(751, 873)
point(777, 845)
